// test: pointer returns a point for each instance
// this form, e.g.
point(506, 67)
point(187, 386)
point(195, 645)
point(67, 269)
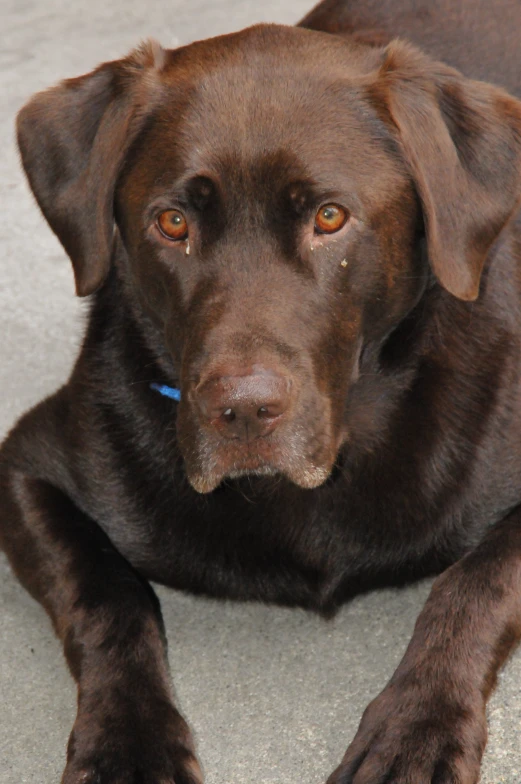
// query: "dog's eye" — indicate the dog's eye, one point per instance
point(172, 225)
point(330, 218)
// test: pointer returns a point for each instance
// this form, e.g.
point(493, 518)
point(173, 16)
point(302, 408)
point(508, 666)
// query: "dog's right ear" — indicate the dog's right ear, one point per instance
point(73, 139)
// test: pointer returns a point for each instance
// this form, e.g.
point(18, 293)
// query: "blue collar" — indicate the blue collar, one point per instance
point(171, 392)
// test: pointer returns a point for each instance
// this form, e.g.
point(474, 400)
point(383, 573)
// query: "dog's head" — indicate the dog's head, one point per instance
point(274, 192)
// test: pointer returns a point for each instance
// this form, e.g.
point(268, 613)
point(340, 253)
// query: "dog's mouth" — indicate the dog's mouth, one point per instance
point(258, 420)
point(305, 475)
point(304, 461)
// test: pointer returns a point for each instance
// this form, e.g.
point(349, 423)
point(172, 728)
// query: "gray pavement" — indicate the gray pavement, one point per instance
point(273, 695)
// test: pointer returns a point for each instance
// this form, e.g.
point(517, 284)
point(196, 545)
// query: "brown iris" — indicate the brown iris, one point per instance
point(330, 218)
point(172, 225)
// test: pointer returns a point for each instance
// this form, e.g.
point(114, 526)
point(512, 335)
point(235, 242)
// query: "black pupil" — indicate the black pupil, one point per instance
point(329, 213)
point(176, 219)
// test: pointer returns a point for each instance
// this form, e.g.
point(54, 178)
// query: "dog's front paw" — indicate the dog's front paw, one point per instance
point(127, 744)
point(411, 735)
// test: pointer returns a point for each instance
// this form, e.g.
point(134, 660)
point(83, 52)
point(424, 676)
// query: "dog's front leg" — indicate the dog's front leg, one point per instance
point(127, 728)
point(428, 726)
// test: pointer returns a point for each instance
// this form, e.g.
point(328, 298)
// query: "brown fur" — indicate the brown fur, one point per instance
point(364, 385)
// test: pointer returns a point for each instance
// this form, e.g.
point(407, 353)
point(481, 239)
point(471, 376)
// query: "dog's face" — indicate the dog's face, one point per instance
point(265, 188)
point(261, 200)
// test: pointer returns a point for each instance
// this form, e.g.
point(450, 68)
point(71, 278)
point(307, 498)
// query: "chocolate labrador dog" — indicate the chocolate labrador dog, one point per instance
point(303, 253)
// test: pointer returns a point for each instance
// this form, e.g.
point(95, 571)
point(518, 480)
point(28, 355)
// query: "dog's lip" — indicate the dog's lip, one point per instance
point(308, 479)
point(233, 460)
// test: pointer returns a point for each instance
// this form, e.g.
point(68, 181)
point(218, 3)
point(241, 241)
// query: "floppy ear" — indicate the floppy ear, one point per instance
point(462, 142)
point(73, 140)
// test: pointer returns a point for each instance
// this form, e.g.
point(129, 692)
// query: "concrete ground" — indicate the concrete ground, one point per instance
point(273, 695)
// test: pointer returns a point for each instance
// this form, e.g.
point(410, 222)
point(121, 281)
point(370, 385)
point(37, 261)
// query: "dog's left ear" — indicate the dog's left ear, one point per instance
point(461, 140)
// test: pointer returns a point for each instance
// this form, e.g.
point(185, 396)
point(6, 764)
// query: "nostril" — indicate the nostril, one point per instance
point(272, 411)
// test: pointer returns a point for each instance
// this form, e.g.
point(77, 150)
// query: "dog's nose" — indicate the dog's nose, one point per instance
point(244, 407)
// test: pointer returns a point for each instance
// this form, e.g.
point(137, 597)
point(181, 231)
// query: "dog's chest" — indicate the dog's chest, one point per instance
point(307, 549)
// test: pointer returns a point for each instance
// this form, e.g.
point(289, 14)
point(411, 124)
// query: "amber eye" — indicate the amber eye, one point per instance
point(172, 225)
point(330, 218)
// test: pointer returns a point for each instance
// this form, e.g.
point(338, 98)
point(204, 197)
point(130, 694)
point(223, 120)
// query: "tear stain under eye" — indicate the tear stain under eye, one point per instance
point(187, 251)
point(355, 371)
